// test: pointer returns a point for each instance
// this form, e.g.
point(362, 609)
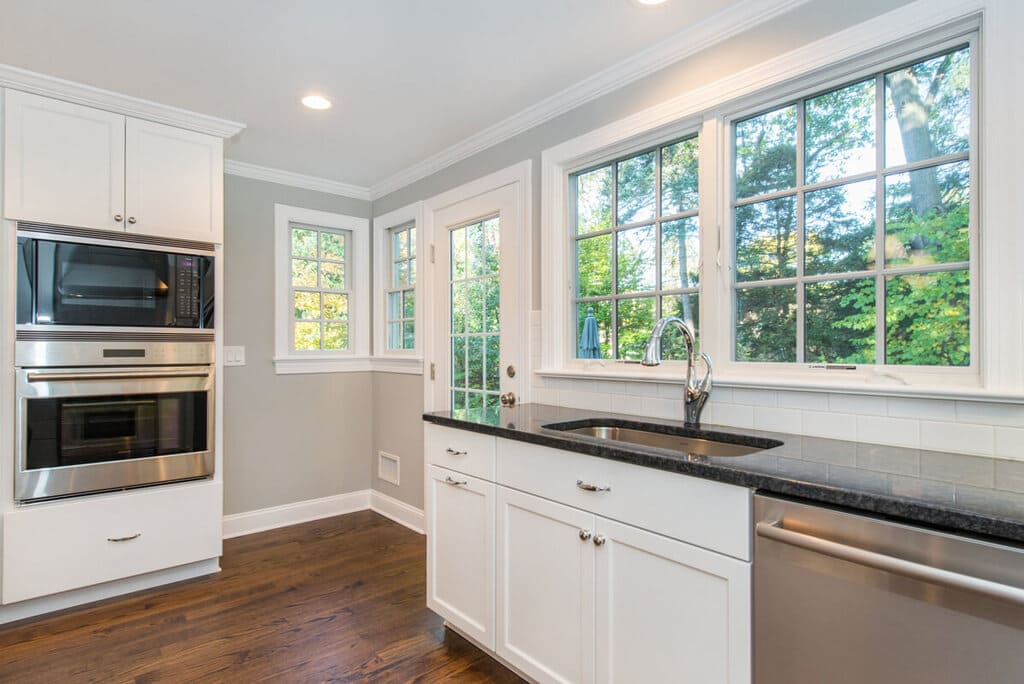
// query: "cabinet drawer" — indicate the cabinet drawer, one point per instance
point(708, 514)
point(49, 548)
point(466, 452)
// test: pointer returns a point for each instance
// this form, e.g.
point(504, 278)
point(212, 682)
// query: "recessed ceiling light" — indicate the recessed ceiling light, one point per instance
point(648, 2)
point(316, 102)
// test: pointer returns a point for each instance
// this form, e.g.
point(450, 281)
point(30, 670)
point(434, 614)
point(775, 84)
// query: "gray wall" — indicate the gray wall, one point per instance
point(287, 438)
point(398, 430)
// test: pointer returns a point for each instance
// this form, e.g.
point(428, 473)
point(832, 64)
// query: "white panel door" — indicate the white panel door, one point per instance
point(545, 588)
point(63, 163)
point(174, 182)
point(667, 611)
point(460, 552)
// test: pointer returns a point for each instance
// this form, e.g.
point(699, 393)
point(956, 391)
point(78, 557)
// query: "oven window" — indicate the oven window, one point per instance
point(76, 431)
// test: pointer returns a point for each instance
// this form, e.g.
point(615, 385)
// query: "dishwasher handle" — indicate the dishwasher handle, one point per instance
point(775, 531)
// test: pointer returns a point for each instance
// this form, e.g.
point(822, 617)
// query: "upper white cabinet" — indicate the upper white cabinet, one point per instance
point(71, 165)
point(63, 163)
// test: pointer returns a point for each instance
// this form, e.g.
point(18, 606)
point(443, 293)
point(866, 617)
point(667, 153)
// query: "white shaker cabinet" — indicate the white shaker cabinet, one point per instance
point(460, 556)
point(63, 163)
point(70, 165)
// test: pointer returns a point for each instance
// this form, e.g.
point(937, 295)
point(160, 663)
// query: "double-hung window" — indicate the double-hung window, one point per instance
point(319, 289)
point(401, 289)
point(852, 222)
point(636, 242)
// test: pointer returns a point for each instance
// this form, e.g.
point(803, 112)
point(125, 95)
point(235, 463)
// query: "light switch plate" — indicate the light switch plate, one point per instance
point(234, 356)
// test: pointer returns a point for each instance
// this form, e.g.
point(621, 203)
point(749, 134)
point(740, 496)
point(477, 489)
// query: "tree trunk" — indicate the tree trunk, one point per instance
point(683, 277)
point(912, 116)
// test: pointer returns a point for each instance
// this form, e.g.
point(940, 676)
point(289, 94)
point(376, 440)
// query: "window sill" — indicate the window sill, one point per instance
point(320, 364)
point(408, 365)
point(634, 372)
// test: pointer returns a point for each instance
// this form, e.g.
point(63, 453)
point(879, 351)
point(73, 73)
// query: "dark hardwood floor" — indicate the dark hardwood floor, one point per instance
point(335, 600)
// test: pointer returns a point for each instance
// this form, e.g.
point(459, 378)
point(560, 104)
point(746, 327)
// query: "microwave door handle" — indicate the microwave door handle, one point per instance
point(72, 376)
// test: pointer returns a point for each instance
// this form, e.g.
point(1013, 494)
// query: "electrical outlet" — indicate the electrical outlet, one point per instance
point(234, 356)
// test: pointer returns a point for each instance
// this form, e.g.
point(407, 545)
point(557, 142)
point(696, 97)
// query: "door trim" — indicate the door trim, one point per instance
point(521, 176)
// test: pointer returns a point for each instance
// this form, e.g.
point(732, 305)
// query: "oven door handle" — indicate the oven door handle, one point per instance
point(775, 531)
point(71, 376)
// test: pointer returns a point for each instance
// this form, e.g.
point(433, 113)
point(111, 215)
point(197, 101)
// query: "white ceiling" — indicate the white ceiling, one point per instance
point(409, 78)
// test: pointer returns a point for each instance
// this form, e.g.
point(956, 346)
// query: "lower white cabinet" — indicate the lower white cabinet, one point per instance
point(460, 552)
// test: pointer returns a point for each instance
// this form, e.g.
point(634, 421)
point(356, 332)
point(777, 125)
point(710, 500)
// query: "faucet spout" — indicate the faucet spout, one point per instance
point(696, 393)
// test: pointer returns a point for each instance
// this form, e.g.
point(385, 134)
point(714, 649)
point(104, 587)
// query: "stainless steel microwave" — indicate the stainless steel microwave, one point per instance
point(105, 284)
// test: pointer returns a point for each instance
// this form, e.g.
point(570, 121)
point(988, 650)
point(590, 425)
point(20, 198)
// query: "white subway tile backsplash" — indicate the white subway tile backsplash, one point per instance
point(959, 437)
point(882, 430)
point(922, 409)
point(736, 415)
point(857, 403)
point(982, 413)
point(543, 395)
point(663, 408)
point(777, 419)
point(625, 403)
point(831, 425)
point(1010, 442)
point(801, 400)
point(754, 397)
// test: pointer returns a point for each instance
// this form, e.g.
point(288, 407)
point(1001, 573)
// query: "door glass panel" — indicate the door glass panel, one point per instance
point(474, 290)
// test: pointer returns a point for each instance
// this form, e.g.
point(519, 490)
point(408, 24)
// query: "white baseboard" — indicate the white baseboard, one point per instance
point(399, 511)
point(239, 524)
point(77, 597)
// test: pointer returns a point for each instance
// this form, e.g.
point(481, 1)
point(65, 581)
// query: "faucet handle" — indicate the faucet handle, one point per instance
point(704, 384)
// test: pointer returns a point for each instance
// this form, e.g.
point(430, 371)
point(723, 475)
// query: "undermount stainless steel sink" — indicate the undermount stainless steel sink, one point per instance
point(686, 440)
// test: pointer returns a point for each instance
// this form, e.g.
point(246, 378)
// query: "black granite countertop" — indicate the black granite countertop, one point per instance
point(973, 494)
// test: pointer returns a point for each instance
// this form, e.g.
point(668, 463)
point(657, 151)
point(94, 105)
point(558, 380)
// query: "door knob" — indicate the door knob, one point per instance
point(508, 399)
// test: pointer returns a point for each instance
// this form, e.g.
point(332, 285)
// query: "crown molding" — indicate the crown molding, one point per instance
point(296, 180)
point(90, 96)
point(715, 29)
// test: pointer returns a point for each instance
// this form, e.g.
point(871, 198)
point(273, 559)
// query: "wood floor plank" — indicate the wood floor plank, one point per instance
point(334, 600)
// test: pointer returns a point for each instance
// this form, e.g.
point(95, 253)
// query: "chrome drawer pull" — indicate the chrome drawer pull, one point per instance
point(453, 452)
point(124, 539)
point(587, 487)
point(458, 483)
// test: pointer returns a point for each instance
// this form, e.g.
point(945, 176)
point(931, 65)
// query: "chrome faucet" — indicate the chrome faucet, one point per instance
point(697, 392)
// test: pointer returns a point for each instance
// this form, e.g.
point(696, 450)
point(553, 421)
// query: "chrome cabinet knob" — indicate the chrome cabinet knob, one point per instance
point(131, 219)
point(118, 218)
point(599, 540)
point(584, 535)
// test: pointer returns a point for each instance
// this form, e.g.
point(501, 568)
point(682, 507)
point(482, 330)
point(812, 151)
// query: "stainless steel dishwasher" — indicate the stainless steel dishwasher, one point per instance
point(843, 598)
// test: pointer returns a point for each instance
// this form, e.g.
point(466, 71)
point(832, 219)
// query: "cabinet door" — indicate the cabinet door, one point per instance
point(545, 588)
point(460, 552)
point(63, 163)
point(174, 182)
point(667, 611)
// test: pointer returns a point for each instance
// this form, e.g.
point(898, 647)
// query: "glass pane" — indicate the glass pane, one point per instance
point(475, 250)
point(636, 188)
point(401, 274)
point(335, 306)
point(303, 242)
point(594, 200)
point(603, 320)
point(492, 406)
point(928, 319)
point(594, 266)
point(459, 401)
point(412, 272)
point(332, 275)
point(474, 403)
point(636, 260)
point(492, 304)
point(839, 324)
point(927, 216)
point(409, 304)
point(686, 307)
point(303, 273)
point(492, 246)
point(679, 177)
point(396, 246)
point(458, 253)
point(335, 335)
point(840, 229)
point(332, 246)
point(766, 240)
point(766, 152)
point(475, 306)
point(458, 362)
point(307, 305)
point(409, 335)
point(839, 138)
point(394, 305)
point(493, 363)
point(307, 336)
point(394, 335)
point(928, 109)
point(680, 254)
point(636, 319)
point(766, 324)
point(460, 303)
point(475, 362)
point(412, 242)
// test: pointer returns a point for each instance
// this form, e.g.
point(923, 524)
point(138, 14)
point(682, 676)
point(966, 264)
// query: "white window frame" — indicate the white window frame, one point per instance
point(357, 357)
point(912, 30)
point(396, 360)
